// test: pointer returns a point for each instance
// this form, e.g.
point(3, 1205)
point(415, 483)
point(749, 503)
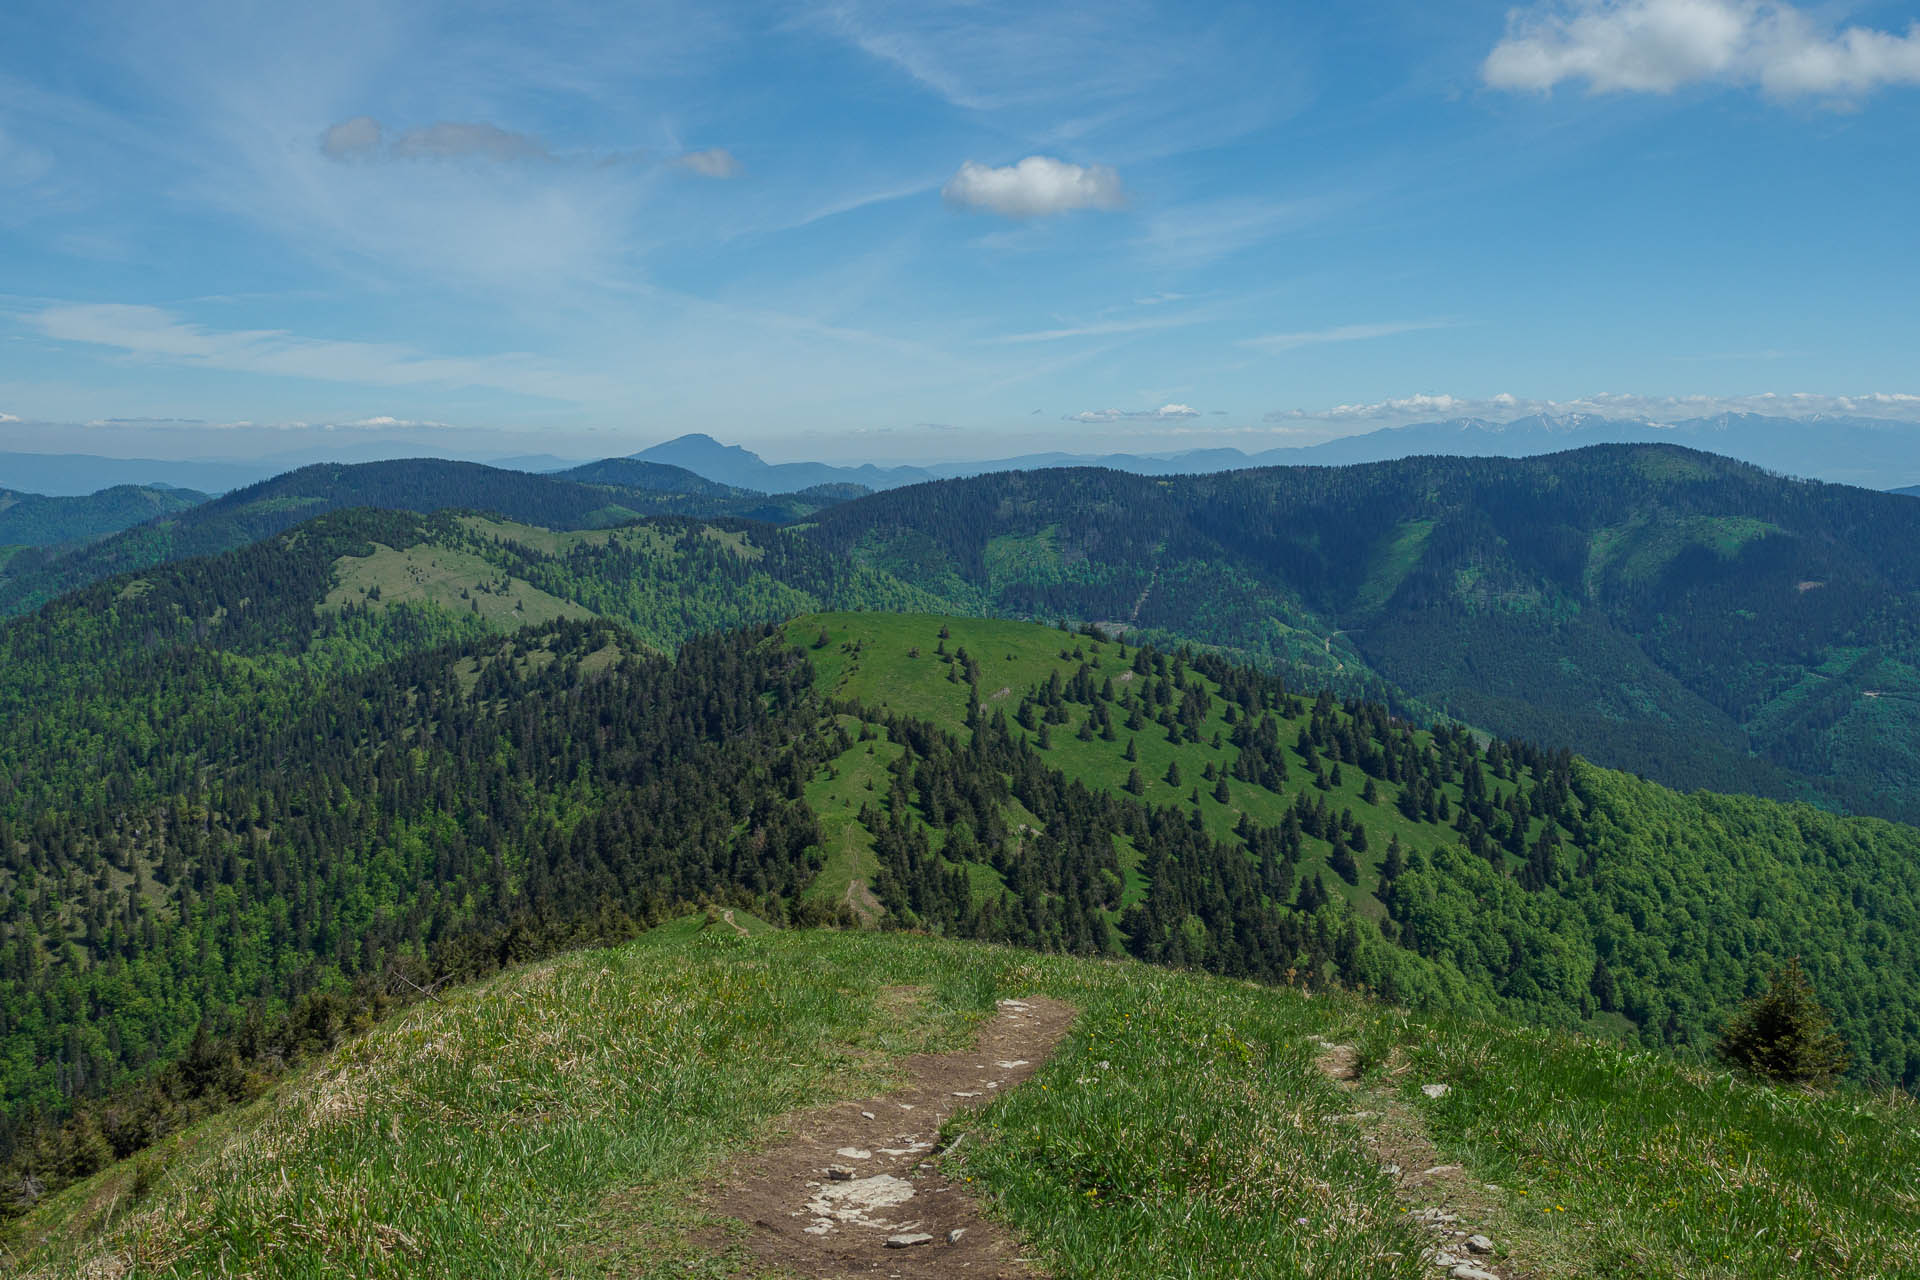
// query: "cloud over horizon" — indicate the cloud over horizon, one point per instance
point(1659, 46)
point(1165, 413)
point(1894, 406)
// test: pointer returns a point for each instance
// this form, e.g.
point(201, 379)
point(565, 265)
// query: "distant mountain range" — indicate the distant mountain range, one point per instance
point(1870, 452)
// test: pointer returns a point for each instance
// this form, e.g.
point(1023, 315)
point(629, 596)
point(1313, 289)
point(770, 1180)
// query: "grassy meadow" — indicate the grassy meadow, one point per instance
point(562, 1120)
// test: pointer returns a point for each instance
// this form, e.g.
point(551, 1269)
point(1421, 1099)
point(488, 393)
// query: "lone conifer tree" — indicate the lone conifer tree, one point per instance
point(1783, 1034)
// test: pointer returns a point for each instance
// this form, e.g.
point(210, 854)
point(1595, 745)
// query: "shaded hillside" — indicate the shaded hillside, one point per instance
point(424, 485)
point(1659, 610)
point(34, 520)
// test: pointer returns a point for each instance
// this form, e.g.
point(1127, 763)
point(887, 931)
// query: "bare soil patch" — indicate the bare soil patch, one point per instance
point(853, 1190)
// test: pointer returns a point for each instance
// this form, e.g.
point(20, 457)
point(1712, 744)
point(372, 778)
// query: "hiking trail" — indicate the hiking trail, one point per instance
point(853, 1189)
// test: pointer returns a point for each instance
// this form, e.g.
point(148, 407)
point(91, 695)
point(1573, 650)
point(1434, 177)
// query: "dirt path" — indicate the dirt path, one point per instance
point(853, 1191)
point(1441, 1196)
point(860, 900)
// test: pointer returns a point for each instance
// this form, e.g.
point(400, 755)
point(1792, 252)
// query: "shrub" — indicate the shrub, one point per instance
point(1783, 1034)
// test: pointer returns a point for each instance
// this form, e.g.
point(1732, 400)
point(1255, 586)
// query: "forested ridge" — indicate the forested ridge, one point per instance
point(35, 520)
point(1656, 609)
point(598, 495)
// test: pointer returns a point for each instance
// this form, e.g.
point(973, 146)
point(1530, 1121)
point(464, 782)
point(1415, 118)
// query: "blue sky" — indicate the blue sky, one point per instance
point(899, 231)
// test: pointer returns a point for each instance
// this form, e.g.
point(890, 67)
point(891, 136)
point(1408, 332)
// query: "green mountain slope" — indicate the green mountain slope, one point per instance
point(1658, 610)
point(569, 1118)
point(598, 496)
point(33, 520)
point(1196, 813)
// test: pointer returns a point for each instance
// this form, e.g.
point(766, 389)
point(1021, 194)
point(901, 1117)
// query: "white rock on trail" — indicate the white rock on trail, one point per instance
point(1434, 1090)
point(1479, 1244)
point(908, 1240)
point(1467, 1271)
point(853, 1202)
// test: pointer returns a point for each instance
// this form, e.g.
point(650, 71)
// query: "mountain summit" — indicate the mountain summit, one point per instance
point(742, 468)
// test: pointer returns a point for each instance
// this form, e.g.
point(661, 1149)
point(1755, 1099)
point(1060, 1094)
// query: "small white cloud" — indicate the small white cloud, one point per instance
point(1340, 333)
point(355, 139)
point(1165, 413)
point(1658, 46)
point(714, 162)
point(1034, 188)
point(8, 417)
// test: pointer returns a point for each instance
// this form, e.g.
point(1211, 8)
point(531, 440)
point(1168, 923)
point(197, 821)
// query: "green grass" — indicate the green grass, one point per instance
point(562, 1119)
point(858, 776)
point(1651, 1168)
point(449, 579)
point(1396, 559)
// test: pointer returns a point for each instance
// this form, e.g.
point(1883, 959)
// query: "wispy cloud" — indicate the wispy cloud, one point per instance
point(1277, 342)
point(1198, 233)
point(714, 162)
point(1150, 78)
point(1658, 46)
point(364, 138)
point(150, 333)
point(1100, 329)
